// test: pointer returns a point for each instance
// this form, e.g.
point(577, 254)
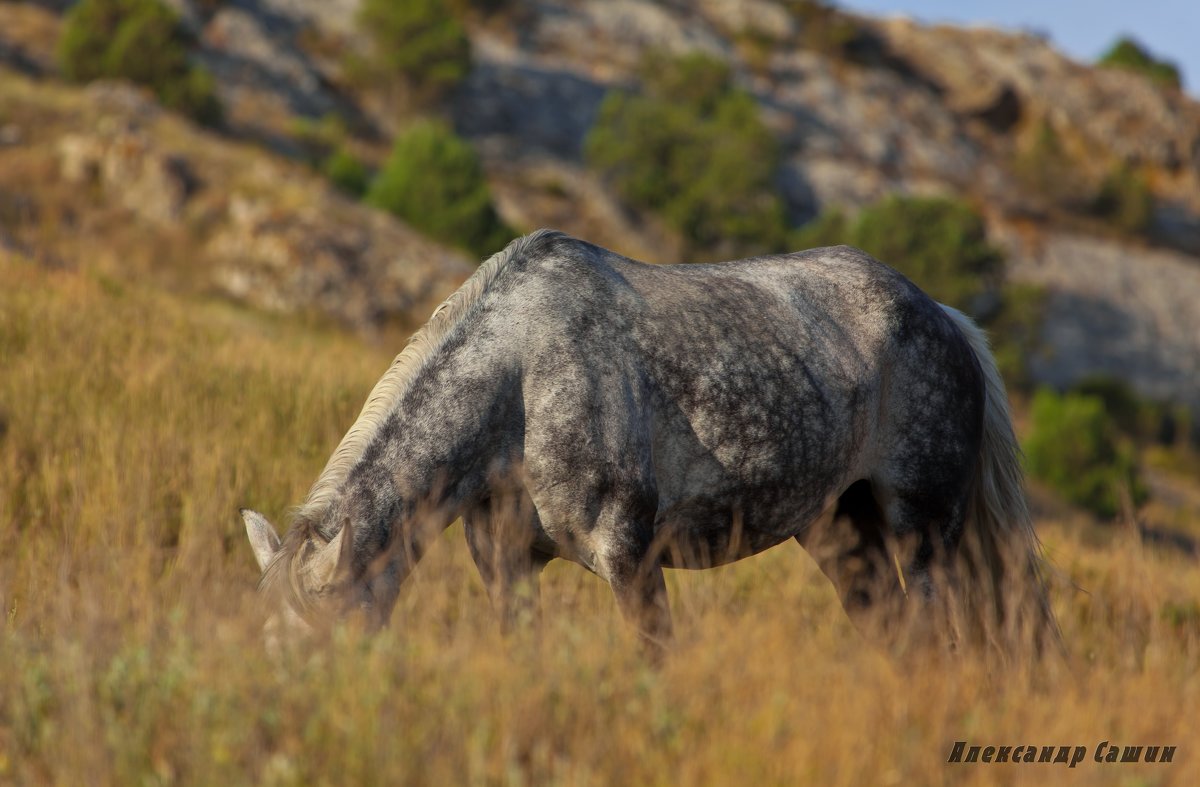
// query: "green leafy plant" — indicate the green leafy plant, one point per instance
point(1128, 54)
point(1143, 420)
point(1124, 200)
point(421, 43)
point(319, 137)
point(347, 172)
point(433, 179)
point(142, 41)
point(692, 148)
point(1045, 169)
point(831, 227)
point(1074, 447)
point(485, 7)
point(1015, 329)
point(823, 27)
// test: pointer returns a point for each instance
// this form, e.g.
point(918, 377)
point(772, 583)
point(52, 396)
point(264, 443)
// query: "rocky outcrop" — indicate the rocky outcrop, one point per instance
point(127, 164)
point(913, 109)
point(1116, 110)
point(850, 134)
point(228, 217)
point(1113, 310)
point(1109, 115)
point(331, 256)
point(263, 56)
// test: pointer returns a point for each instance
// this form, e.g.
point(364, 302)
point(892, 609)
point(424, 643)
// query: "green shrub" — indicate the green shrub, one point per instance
point(1129, 413)
point(693, 148)
point(1045, 169)
point(1015, 329)
point(830, 228)
point(1142, 420)
point(138, 40)
point(434, 181)
point(319, 138)
point(1128, 54)
point(486, 7)
point(1124, 201)
point(322, 143)
point(347, 172)
point(194, 94)
point(941, 244)
point(823, 27)
point(1074, 447)
point(419, 42)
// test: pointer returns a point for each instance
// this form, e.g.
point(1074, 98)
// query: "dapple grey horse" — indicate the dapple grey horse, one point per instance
point(650, 416)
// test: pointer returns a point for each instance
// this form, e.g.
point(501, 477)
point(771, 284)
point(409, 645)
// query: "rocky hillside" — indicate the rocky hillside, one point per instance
point(862, 108)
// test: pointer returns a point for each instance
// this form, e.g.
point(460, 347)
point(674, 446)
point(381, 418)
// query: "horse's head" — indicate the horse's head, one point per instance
point(301, 582)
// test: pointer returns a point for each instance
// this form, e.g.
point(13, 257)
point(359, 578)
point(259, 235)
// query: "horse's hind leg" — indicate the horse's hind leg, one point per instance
point(501, 541)
point(926, 524)
point(852, 551)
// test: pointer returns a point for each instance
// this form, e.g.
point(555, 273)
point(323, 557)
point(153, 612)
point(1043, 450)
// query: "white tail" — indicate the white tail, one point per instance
point(1000, 548)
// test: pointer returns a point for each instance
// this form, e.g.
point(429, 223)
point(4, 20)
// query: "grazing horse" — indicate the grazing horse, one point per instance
point(651, 416)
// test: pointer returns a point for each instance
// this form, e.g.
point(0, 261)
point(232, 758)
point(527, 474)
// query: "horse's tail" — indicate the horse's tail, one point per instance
point(1000, 549)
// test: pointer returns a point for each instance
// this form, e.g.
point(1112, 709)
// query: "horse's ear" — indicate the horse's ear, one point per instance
point(334, 557)
point(346, 547)
point(263, 538)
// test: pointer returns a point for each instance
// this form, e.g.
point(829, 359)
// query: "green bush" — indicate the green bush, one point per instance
point(1142, 420)
point(1124, 201)
point(486, 7)
point(1015, 329)
point(419, 42)
point(1074, 447)
point(434, 181)
point(347, 172)
point(319, 138)
point(1128, 54)
point(138, 40)
point(941, 244)
point(830, 228)
point(823, 27)
point(693, 148)
point(1046, 170)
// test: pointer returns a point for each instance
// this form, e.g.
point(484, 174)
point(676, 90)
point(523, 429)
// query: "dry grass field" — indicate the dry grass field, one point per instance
point(134, 424)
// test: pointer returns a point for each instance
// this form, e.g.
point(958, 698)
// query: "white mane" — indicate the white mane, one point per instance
point(395, 380)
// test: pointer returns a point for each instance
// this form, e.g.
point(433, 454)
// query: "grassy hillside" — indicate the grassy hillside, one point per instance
point(132, 426)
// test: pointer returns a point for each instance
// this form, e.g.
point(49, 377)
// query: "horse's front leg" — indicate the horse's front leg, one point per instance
point(501, 544)
point(628, 560)
point(641, 593)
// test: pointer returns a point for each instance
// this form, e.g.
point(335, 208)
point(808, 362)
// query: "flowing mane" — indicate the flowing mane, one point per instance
point(395, 380)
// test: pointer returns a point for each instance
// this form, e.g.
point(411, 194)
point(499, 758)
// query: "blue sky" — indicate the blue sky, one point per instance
point(1082, 29)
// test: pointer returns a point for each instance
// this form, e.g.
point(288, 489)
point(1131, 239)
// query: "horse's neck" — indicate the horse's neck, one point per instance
point(458, 419)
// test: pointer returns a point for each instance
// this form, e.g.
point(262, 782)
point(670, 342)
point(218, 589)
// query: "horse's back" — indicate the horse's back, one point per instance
point(777, 330)
point(754, 386)
point(856, 297)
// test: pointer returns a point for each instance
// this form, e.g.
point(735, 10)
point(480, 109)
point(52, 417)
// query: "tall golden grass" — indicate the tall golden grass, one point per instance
point(133, 425)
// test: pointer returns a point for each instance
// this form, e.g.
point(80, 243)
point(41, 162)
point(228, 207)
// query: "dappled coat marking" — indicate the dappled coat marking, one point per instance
point(645, 416)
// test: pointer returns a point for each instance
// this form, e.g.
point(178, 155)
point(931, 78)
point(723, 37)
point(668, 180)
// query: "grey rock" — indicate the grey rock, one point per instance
point(1114, 309)
point(127, 165)
point(332, 255)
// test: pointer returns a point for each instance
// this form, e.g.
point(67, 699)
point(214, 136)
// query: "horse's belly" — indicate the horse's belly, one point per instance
point(713, 529)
